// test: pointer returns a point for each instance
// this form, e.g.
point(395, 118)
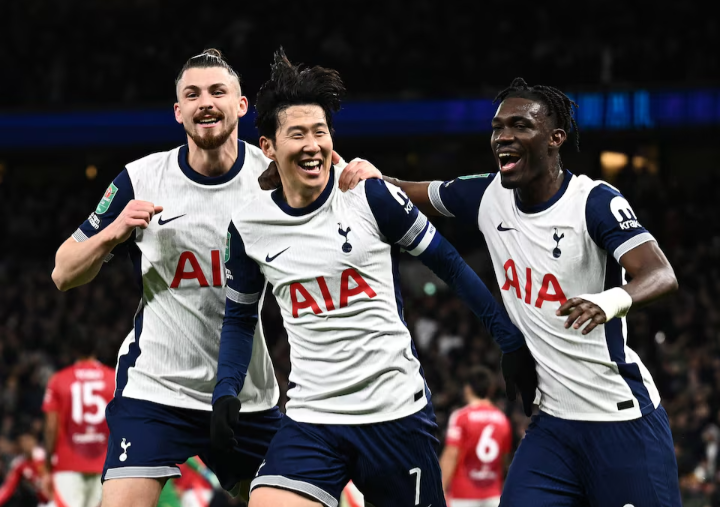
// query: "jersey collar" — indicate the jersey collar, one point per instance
point(211, 180)
point(277, 196)
point(537, 208)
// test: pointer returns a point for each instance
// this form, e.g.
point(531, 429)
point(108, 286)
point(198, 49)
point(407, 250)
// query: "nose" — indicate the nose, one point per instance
point(311, 146)
point(206, 101)
point(504, 136)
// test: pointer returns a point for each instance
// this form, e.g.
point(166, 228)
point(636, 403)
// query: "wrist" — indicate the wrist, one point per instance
point(615, 302)
point(107, 239)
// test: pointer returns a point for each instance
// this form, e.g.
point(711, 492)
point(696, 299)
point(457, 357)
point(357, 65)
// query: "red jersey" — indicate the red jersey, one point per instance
point(24, 469)
point(79, 394)
point(484, 437)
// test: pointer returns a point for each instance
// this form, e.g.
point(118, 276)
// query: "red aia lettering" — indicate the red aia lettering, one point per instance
point(307, 302)
point(195, 272)
point(511, 280)
point(362, 286)
point(298, 289)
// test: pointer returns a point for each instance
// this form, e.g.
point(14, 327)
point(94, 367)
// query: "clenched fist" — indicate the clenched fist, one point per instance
point(136, 214)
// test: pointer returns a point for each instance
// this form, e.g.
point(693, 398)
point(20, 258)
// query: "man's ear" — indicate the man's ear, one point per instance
point(267, 147)
point(557, 138)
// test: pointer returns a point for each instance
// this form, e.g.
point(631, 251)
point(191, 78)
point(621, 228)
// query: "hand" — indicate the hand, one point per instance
point(46, 486)
point(518, 368)
point(270, 178)
point(225, 416)
point(135, 214)
point(579, 312)
point(356, 171)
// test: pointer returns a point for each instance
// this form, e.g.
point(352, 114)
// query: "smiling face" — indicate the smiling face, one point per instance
point(524, 141)
point(209, 106)
point(302, 150)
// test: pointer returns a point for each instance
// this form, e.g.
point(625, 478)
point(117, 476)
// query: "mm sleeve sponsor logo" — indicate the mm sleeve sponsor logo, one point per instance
point(623, 213)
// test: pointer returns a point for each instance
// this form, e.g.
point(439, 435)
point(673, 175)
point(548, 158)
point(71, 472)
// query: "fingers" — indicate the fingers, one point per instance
point(356, 171)
point(158, 209)
point(574, 315)
point(568, 305)
point(347, 176)
point(594, 322)
point(335, 157)
point(581, 312)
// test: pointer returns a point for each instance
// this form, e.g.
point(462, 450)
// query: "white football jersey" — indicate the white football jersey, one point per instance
point(333, 269)
point(543, 255)
point(170, 357)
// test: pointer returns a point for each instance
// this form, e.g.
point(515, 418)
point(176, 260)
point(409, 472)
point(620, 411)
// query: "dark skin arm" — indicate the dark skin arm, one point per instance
point(652, 278)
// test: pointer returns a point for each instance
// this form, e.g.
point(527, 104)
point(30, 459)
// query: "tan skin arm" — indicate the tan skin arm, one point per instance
point(51, 431)
point(652, 278)
point(448, 464)
point(77, 263)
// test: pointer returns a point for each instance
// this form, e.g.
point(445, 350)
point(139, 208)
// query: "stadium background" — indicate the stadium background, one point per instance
point(88, 86)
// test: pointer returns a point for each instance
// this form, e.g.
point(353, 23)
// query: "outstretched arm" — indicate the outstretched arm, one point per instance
point(401, 223)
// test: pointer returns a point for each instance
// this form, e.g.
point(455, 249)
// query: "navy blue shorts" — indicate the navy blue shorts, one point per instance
point(150, 440)
point(562, 463)
point(393, 463)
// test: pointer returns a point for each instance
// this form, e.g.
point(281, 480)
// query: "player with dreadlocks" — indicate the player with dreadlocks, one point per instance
point(562, 247)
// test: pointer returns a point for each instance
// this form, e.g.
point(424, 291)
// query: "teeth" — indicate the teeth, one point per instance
point(209, 120)
point(310, 163)
point(506, 155)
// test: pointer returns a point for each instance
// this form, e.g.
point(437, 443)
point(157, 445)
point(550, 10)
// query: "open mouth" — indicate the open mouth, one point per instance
point(508, 160)
point(312, 167)
point(209, 122)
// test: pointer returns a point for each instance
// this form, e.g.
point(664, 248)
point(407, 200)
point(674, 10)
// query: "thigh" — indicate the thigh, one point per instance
point(148, 440)
point(254, 433)
point(273, 497)
point(68, 489)
point(544, 470)
point(632, 462)
point(135, 491)
point(305, 459)
point(397, 462)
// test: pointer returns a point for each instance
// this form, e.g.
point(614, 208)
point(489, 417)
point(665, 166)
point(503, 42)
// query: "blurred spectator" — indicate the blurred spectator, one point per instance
point(127, 52)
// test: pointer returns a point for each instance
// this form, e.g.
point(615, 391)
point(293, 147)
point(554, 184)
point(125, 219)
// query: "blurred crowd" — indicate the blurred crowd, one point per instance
point(678, 339)
point(128, 52)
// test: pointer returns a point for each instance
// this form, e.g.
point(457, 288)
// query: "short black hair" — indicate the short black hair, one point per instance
point(290, 85)
point(82, 344)
point(481, 381)
point(207, 59)
point(557, 103)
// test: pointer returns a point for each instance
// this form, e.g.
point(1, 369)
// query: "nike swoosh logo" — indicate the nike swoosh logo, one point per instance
point(270, 259)
point(503, 229)
point(163, 222)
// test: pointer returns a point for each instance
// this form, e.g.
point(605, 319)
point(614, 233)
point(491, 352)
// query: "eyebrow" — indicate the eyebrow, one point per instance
point(212, 86)
point(301, 127)
point(513, 118)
